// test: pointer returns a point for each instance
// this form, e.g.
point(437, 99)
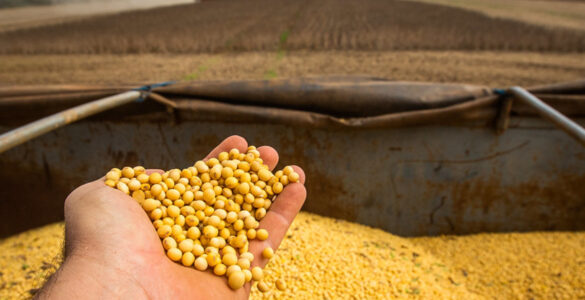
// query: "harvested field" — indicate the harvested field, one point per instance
point(14, 18)
point(484, 68)
point(552, 13)
point(265, 25)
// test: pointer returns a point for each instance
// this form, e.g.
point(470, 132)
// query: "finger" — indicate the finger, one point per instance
point(269, 156)
point(234, 141)
point(150, 171)
point(147, 171)
point(278, 220)
point(86, 206)
point(279, 217)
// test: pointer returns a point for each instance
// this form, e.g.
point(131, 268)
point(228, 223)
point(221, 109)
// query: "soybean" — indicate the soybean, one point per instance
point(206, 215)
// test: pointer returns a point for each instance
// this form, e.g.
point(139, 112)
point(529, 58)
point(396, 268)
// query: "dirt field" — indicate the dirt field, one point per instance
point(261, 39)
point(267, 25)
point(484, 68)
point(555, 13)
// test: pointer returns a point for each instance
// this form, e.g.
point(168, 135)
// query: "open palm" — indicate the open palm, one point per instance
point(112, 248)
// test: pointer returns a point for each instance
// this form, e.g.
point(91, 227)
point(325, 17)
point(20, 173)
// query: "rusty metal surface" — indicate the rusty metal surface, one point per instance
point(503, 117)
point(410, 181)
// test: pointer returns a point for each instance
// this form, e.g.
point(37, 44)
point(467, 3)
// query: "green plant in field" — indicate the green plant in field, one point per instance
point(228, 44)
point(197, 73)
point(283, 38)
point(200, 70)
point(280, 54)
point(270, 74)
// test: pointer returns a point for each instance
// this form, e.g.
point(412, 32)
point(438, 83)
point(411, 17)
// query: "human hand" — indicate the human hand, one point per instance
point(113, 251)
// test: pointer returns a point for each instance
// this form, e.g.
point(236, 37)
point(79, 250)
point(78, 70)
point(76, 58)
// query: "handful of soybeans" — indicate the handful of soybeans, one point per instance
point(206, 215)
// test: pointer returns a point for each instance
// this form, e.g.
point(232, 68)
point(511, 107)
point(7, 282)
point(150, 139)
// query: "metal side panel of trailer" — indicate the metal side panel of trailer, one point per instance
point(406, 162)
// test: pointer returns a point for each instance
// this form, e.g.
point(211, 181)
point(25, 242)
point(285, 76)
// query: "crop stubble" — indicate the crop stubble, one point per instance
point(267, 25)
point(487, 68)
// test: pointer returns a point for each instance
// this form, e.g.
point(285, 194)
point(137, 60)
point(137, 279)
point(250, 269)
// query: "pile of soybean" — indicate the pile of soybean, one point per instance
point(320, 258)
point(324, 258)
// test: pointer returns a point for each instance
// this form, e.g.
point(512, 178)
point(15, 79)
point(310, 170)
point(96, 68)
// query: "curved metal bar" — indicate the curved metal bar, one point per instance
point(32, 130)
point(549, 113)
